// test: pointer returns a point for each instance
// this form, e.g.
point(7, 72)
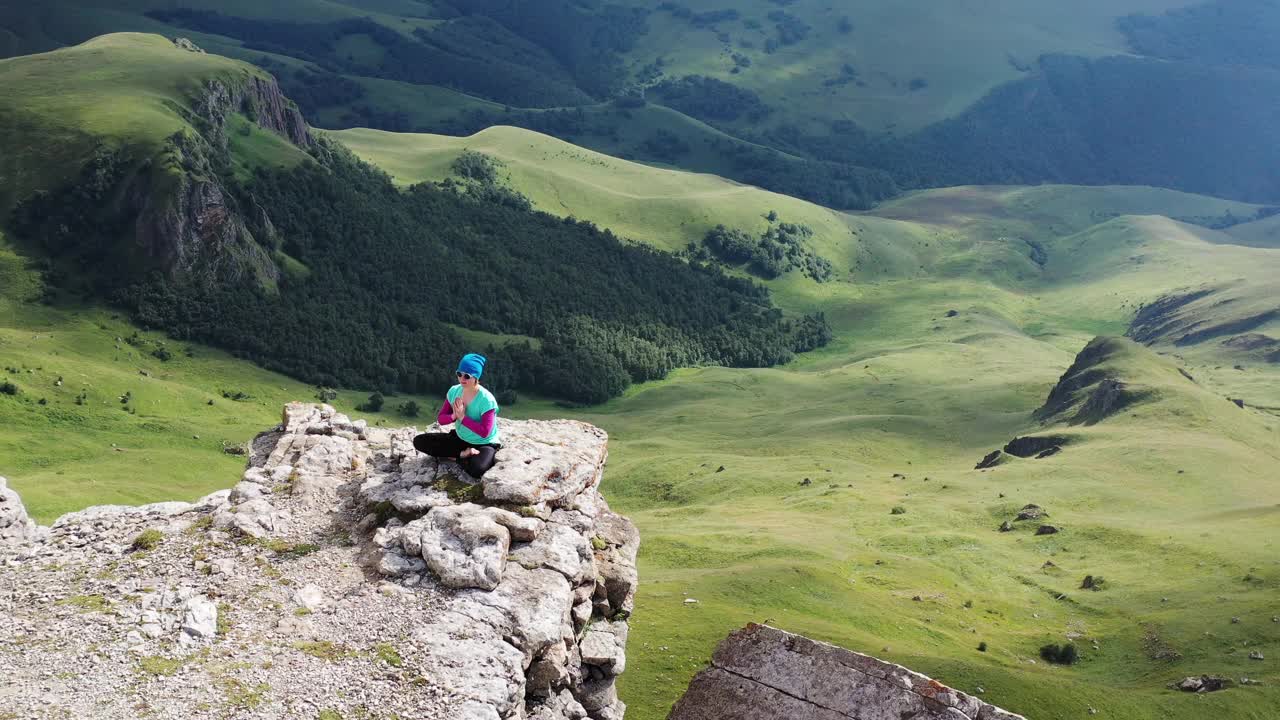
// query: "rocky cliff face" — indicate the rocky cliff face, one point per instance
point(258, 98)
point(345, 572)
point(188, 225)
point(761, 673)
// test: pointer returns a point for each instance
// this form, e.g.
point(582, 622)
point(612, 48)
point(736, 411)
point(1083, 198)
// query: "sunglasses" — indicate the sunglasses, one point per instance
point(464, 376)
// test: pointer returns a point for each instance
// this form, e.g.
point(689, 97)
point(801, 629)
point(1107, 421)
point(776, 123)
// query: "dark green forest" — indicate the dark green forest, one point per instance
point(1222, 32)
point(390, 270)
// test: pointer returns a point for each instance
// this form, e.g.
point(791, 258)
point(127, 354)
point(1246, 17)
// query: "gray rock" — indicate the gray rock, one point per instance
point(311, 597)
point(397, 564)
point(1031, 512)
point(604, 645)
point(200, 618)
point(545, 462)
point(760, 673)
point(523, 529)
point(462, 545)
point(15, 525)
point(561, 549)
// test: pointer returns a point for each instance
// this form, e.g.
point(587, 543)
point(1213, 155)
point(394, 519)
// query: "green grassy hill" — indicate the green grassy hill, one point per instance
point(663, 207)
point(833, 103)
point(835, 495)
point(1166, 501)
point(124, 91)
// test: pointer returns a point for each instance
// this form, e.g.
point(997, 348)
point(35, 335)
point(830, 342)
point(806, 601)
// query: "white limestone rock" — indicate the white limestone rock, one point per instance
point(461, 544)
point(561, 549)
point(604, 645)
point(200, 618)
point(545, 462)
point(15, 525)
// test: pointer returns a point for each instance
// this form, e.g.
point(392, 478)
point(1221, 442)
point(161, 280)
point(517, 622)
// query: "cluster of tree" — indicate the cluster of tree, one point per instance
point(476, 175)
point(780, 248)
point(1108, 121)
point(834, 184)
point(312, 90)
point(665, 146)
point(79, 225)
point(1076, 120)
point(699, 20)
point(709, 99)
point(789, 30)
point(1220, 32)
point(1065, 654)
point(388, 269)
point(1228, 219)
point(472, 53)
point(587, 37)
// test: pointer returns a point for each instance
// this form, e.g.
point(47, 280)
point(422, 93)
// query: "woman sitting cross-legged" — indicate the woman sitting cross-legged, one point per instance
point(473, 442)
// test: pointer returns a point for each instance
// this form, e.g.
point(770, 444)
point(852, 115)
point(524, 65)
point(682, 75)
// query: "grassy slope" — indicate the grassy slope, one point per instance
point(1260, 233)
point(969, 53)
point(120, 90)
point(60, 456)
point(978, 54)
point(667, 208)
point(904, 389)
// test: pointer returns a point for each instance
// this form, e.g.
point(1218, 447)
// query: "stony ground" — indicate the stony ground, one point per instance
point(287, 597)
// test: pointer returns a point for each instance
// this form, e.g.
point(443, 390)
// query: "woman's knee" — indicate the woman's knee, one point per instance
point(477, 465)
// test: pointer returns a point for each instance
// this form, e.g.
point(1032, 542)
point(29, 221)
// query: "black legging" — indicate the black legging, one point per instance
point(449, 445)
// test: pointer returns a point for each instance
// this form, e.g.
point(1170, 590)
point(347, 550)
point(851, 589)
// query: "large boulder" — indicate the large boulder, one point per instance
point(463, 545)
point(762, 673)
point(549, 462)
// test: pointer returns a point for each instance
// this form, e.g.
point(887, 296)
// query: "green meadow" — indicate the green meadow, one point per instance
point(968, 53)
point(835, 496)
point(1172, 502)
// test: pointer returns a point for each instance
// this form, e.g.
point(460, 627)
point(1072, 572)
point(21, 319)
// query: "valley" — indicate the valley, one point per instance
point(826, 488)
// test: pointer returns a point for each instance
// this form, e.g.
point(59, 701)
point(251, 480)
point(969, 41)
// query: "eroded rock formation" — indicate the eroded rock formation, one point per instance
point(343, 572)
point(761, 673)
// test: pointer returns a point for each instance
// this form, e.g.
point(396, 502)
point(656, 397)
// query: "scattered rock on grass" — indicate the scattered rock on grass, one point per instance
point(1031, 512)
point(1202, 684)
point(992, 459)
point(1047, 530)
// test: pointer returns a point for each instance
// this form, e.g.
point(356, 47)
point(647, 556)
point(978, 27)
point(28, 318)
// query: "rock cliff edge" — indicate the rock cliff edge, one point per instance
point(345, 575)
point(762, 673)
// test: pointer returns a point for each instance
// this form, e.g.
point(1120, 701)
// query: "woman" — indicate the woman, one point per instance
point(473, 442)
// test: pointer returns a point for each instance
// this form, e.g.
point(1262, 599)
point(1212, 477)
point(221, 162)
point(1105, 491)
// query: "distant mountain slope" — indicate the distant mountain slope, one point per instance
point(829, 103)
point(189, 190)
point(148, 134)
point(661, 207)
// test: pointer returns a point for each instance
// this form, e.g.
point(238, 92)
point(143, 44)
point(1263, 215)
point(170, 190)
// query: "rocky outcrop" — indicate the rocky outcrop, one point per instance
point(1090, 391)
point(761, 673)
point(257, 97)
point(188, 225)
point(15, 525)
point(345, 572)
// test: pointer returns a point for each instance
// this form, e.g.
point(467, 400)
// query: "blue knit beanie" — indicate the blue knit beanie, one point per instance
point(472, 364)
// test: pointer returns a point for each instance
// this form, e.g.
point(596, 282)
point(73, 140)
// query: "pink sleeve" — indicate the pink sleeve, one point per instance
point(485, 426)
point(445, 416)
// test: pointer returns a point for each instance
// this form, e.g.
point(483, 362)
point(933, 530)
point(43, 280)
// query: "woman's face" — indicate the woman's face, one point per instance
point(464, 379)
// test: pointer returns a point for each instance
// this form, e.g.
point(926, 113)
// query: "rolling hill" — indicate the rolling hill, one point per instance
point(835, 494)
point(832, 103)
